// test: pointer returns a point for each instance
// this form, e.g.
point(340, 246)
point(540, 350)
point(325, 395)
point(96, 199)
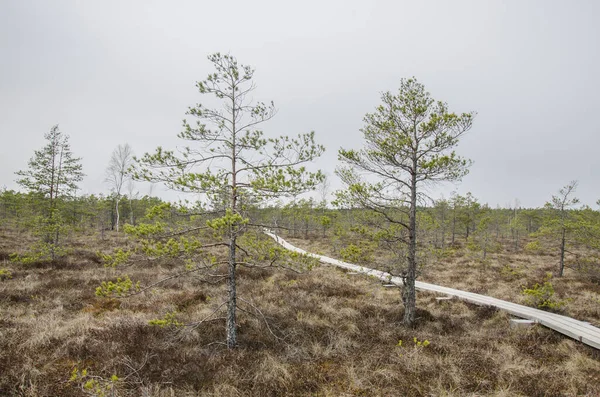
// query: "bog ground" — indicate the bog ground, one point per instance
point(326, 333)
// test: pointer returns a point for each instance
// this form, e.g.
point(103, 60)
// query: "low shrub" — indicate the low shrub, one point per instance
point(542, 296)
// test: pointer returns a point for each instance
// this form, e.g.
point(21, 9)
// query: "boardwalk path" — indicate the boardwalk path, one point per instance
point(580, 330)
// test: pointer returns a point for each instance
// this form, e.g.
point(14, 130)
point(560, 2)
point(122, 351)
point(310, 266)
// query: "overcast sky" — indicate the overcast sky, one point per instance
point(114, 72)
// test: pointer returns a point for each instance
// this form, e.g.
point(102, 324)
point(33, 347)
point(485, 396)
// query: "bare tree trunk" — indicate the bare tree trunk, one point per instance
point(453, 223)
point(131, 212)
point(306, 229)
point(562, 253)
point(409, 297)
point(294, 225)
point(112, 217)
point(485, 241)
point(444, 228)
point(53, 218)
point(117, 169)
point(231, 326)
point(232, 297)
point(117, 210)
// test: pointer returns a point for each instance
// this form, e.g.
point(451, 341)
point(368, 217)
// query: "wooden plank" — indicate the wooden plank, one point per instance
point(555, 319)
point(579, 330)
point(521, 323)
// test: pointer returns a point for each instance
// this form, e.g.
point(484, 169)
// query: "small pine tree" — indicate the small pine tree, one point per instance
point(559, 222)
point(53, 173)
point(232, 162)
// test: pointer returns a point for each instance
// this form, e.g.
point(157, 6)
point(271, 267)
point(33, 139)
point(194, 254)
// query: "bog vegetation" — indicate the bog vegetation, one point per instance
point(119, 294)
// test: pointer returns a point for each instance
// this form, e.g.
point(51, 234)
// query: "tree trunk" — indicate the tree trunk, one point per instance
point(54, 211)
point(232, 297)
point(485, 241)
point(131, 212)
point(117, 211)
point(231, 325)
point(562, 253)
point(453, 224)
point(294, 226)
point(55, 243)
point(409, 297)
point(443, 228)
point(306, 229)
point(112, 218)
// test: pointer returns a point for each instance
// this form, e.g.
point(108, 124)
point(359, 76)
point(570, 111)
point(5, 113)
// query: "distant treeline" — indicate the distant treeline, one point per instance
point(84, 213)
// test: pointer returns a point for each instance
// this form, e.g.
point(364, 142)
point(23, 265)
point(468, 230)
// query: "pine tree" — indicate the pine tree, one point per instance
point(53, 173)
point(409, 140)
point(232, 162)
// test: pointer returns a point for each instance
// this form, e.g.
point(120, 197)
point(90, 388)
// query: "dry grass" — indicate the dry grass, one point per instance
point(502, 276)
point(336, 335)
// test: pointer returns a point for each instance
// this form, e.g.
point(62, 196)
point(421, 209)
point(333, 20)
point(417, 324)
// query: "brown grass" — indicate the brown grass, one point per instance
point(503, 276)
point(335, 334)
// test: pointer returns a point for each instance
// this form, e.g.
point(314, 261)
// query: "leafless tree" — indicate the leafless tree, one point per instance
point(116, 172)
point(131, 195)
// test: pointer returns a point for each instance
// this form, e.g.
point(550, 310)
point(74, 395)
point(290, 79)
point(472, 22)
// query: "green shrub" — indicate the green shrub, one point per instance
point(169, 320)
point(5, 274)
point(94, 385)
point(418, 346)
point(119, 288)
point(442, 253)
point(510, 273)
point(542, 296)
point(118, 258)
point(473, 245)
point(533, 246)
point(39, 252)
point(361, 254)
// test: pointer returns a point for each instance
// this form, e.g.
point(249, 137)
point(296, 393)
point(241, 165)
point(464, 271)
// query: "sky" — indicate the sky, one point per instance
point(113, 72)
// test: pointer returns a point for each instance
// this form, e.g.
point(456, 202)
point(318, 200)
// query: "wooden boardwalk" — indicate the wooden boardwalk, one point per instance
point(579, 330)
